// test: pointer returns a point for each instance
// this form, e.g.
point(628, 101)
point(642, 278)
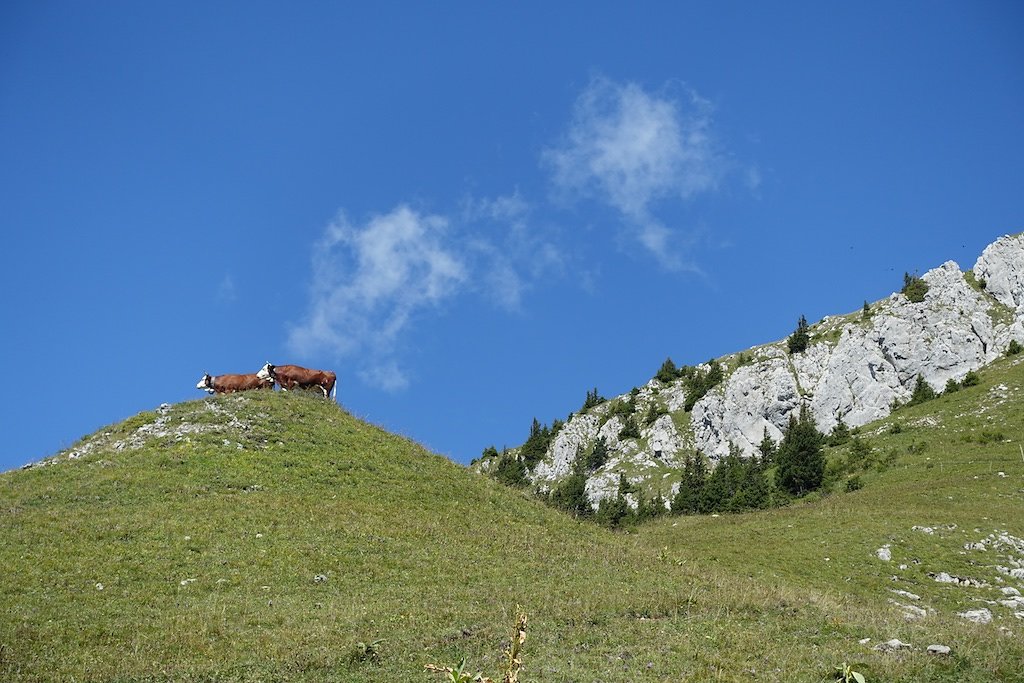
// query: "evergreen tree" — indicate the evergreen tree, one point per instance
point(700, 382)
point(613, 512)
point(798, 341)
point(719, 489)
point(624, 485)
point(767, 448)
point(753, 493)
point(598, 456)
point(922, 392)
point(536, 445)
point(488, 453)
point(800, 461)
point(630, 430)
point(511, 471)
point(691, 486)
point(571, 495)
point(593, 399)
point(649, 508)
point(667, 372)
point(726, 489)
point(840, 433)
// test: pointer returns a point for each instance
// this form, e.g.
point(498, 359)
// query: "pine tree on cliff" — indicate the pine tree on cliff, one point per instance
point(667, 372)
point(798, 341)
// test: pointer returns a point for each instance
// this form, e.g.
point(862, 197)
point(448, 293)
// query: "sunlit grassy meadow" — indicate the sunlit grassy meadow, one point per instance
point(292, 541)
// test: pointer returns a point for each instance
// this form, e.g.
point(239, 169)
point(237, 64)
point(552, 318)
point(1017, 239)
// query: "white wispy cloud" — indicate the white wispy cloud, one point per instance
point(373, 282)
point(368, 282)
point(227, 293)
point(626, 147)
point(630, 148)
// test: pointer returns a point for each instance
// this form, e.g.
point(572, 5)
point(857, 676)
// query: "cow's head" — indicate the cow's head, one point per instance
point(266, 373)
point(206, 383)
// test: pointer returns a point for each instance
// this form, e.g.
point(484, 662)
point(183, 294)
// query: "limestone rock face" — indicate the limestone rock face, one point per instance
point(861, 366)
point(754, 398)
point(1001, 268)
point(854, 369)
point(574, 437)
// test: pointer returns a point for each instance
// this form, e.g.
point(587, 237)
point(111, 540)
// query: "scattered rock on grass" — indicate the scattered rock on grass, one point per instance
point(938, 650)
point(911, 612)
point(892, 646)
point(943, 577)
point(978, 616)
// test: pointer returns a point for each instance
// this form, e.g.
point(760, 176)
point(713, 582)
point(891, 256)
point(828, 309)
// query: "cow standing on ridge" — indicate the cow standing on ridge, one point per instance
point(229, 384)
point(291, 376)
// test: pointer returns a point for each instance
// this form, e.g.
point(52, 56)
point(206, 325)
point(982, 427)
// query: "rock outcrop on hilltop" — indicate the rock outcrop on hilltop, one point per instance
point(856, 367)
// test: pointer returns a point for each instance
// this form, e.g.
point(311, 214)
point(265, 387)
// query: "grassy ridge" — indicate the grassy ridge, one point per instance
point(269, 547)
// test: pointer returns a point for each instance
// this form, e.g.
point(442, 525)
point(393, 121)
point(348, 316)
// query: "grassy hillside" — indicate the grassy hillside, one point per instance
point(273, 537)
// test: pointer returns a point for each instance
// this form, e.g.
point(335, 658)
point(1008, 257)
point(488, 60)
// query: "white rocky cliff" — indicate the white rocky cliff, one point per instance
point(854, 369)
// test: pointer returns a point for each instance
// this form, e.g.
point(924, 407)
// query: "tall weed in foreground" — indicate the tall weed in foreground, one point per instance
point(513, 660)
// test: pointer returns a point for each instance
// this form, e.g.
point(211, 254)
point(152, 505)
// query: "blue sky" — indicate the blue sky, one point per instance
point(473, 212)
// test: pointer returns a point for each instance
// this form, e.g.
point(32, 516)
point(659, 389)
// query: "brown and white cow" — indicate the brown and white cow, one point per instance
point(228, 384)
point(292, 376)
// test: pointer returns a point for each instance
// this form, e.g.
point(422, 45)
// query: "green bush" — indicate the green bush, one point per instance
point(971, 379)
point(623, 407)
point(859, 453)
point(914, 288)
point(653, 413)
point(700, 382)
point(1014, 348)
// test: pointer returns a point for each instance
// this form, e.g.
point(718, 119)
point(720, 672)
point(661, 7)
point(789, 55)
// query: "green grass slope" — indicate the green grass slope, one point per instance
point(273, 537)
